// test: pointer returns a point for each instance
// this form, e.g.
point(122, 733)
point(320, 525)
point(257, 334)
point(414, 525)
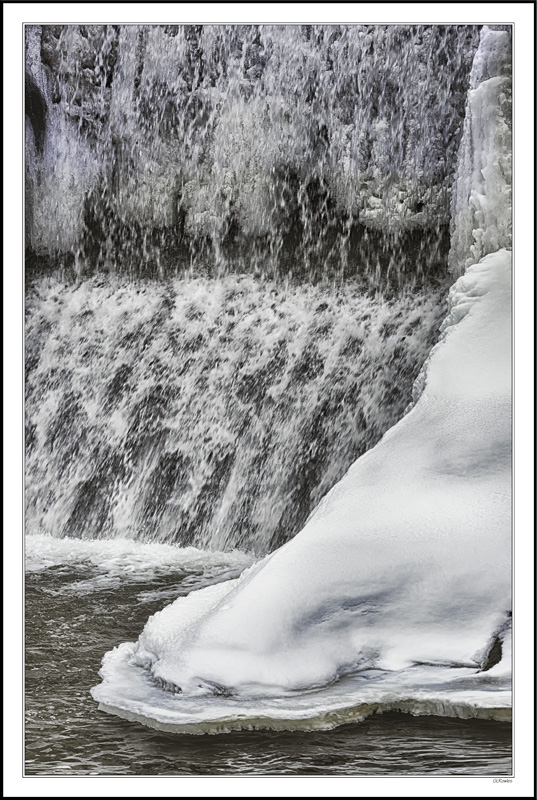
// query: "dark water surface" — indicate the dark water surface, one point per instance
point(74, 617)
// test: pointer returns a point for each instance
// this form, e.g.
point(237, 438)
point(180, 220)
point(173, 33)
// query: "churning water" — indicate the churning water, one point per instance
point(209, 412)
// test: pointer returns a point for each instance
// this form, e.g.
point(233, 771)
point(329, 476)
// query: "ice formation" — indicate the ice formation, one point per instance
point(482, 196)
point(193, 132)
point(397, 593)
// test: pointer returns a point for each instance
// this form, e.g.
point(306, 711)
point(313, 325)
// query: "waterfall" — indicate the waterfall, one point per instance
point(237, 242)
point(278, 149)
point(216, 413)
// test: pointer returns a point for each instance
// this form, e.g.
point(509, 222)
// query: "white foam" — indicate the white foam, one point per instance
point(151, 406)
point(124, 558)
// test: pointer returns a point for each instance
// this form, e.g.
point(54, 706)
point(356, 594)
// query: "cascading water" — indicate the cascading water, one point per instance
point(274, 149)
point(209, 412)
point(278, 197)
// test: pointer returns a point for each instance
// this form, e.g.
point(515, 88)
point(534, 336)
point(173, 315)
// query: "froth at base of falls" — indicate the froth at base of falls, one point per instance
point(208, 412)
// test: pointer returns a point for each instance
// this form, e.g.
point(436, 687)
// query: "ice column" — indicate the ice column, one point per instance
point(481, 211)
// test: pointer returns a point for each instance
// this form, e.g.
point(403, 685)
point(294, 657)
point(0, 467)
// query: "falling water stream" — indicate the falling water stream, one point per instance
point(215, 413)
point(265, 210)
point(295, 150)
point(237, 242)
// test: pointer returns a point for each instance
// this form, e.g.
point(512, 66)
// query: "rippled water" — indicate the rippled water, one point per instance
point(74, 615)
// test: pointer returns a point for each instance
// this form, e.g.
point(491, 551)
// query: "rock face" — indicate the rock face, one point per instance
point(281, 146)
point(36, 111)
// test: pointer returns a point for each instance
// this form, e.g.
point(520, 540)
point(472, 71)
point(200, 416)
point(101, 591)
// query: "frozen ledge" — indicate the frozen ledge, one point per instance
point(324, 722)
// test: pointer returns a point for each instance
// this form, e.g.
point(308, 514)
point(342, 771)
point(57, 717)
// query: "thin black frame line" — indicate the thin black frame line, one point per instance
point(513, 273)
